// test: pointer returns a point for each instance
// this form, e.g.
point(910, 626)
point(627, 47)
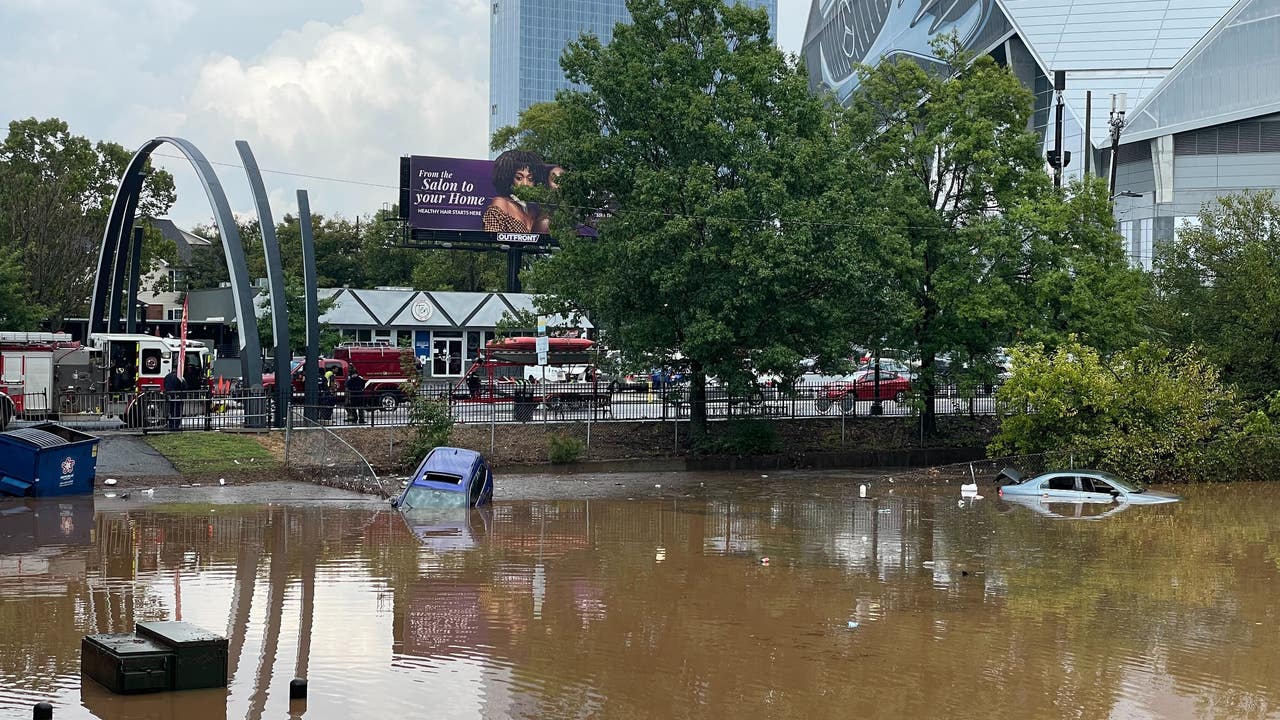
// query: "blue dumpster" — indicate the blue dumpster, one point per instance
point(47, 459)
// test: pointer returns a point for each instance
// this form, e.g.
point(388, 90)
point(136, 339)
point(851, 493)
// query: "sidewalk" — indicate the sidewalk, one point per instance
point(129, 455)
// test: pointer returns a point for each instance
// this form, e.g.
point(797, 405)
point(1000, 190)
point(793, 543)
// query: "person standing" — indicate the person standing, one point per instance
point(328, 387)
point(174, 386)
point(355, 397)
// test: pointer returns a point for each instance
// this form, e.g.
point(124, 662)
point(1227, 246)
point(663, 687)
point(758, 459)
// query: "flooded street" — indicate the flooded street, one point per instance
point(654, 602)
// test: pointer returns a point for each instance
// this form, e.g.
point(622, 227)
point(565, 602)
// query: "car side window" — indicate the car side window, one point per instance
point(1102, 486)
point(1062, 482)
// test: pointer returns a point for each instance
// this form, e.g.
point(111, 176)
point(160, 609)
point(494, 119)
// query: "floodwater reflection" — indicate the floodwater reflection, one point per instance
point(904, 604)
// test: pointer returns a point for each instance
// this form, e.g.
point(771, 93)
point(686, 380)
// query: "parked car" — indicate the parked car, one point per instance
point(888, 365)
point(1079, 486)
point(1066, 510)
point(661, 378)
point(629, 382)
point(892, 387)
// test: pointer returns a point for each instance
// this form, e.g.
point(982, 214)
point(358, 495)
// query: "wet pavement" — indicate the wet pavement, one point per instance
point(130, 456)
point(656, 602)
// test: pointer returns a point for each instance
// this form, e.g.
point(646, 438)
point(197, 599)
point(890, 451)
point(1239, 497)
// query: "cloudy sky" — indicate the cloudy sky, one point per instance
point(332, 89)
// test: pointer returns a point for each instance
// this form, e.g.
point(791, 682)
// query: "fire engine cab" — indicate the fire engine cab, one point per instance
point(51, 376)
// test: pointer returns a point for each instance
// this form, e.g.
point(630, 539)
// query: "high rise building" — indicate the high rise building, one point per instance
point(527, 37)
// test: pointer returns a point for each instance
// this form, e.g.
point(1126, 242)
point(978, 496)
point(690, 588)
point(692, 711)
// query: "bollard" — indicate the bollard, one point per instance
point(297, 689)
point(42, 711)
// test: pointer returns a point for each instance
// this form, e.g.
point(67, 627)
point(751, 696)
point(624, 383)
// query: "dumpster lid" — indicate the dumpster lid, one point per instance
point(179, 634)
point(35, 437)
point(48, 435)
point(127, 644)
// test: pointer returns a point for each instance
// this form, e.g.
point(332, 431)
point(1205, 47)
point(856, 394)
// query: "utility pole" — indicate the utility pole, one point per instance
point(1088, 123)
point(1058, 158)
point(1117, 124)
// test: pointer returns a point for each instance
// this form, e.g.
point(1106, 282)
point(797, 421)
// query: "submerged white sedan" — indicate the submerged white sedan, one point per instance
point(1093, 486)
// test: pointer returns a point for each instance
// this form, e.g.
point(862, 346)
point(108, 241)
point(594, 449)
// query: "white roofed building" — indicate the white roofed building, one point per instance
point(1200, 80)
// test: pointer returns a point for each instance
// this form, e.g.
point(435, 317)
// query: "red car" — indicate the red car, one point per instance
point(892, 387)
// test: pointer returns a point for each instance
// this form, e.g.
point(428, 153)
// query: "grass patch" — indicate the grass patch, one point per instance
point(212, 452)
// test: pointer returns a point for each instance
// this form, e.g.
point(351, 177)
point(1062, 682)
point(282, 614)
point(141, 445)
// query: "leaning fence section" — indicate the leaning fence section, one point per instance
point(313, 450)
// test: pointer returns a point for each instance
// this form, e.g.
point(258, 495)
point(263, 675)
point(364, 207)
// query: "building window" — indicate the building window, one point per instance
point(173, 314)
point(384, 336)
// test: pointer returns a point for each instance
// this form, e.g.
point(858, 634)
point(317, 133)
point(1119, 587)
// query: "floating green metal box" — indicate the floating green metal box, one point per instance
point(200, 657)
point(125, 663)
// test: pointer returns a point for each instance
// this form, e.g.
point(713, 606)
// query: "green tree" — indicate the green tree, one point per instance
point(1145, 412)
point(386, 261)
point(979, 246)
point(706, 165)
point(1218, 287)
point(296, 307)
point(17, 312)
point(460, 270)
point(56, 189)
point(208, 265)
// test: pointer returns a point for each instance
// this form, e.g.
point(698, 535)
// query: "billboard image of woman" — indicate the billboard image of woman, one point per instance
point(506, 212)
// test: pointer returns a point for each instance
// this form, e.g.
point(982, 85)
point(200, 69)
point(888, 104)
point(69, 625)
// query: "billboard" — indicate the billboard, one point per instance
point(844, 33)
point(478, 195)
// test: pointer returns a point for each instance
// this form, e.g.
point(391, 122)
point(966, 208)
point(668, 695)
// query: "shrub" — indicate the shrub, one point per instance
point(430, 425)
point(1146, 413)
point(563, 449)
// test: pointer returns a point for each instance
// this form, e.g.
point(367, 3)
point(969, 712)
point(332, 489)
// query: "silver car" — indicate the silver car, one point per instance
point(1092, 486)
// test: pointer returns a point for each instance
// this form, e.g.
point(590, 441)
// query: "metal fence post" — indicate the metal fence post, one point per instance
point(288, 433)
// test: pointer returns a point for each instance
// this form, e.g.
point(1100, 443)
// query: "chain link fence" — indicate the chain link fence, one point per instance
point(312, 449)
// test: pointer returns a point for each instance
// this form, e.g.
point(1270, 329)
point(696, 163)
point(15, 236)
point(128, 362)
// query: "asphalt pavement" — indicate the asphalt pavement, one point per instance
point(131, 456)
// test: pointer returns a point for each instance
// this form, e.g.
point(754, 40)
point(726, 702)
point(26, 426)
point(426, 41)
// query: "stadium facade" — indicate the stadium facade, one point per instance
point(1201, 79)
point(527, 37)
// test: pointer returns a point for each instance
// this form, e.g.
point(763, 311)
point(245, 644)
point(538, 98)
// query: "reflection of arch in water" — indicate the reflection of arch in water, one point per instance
point(109, 283)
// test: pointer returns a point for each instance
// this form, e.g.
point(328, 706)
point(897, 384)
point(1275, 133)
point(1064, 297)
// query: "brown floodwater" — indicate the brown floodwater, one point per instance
point(910, 603)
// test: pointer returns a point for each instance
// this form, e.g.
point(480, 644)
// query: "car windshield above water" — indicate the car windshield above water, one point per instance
point(418, 497)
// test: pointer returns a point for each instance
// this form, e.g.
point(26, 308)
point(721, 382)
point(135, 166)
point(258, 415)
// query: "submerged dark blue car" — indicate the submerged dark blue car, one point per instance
point(449, 477)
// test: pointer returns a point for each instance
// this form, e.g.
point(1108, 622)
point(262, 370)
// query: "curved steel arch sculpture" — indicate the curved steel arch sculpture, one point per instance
point(120, 227)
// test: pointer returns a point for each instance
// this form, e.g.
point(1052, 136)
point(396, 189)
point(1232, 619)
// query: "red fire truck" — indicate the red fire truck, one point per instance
point(385, 368)
point(51, 376)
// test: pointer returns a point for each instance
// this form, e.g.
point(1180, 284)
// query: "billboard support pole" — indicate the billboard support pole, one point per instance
point(514, 259)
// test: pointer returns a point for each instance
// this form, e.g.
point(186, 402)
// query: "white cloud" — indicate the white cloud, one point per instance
point(331, 88)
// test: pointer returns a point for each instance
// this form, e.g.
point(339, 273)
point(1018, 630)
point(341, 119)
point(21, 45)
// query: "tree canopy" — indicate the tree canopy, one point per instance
point(56, 189)
point(979, 247)
point(1218, 288)
point(697, 151)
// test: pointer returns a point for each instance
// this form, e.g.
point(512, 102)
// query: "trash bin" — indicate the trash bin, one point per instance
point(126, 663)
point(200, 657)
point(524, 406)
point(47, 459)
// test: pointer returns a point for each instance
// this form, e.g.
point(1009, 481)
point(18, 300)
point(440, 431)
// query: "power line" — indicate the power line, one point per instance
point(290, 173)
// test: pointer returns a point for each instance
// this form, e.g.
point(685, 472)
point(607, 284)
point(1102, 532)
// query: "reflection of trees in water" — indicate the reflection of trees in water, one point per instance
point(591, 603)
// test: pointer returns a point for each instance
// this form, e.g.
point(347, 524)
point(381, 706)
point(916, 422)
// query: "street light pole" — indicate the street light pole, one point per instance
point(1057, 160)
point(1117, 124)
